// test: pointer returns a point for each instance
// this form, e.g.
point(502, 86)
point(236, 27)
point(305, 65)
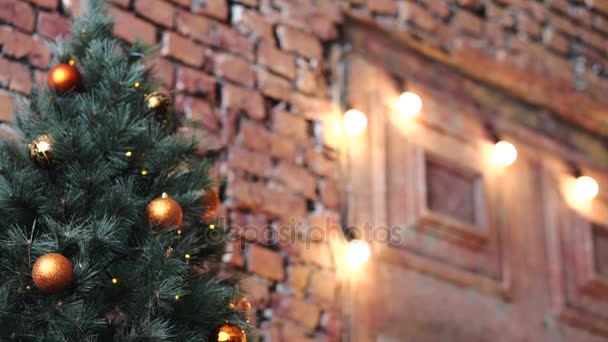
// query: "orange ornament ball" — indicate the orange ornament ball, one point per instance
point(164, 212)
point(231, 333)
point(211, 204)
point(63, 78)
point(52, 273)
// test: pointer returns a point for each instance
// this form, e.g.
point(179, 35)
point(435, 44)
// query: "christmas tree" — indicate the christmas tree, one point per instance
point(106, 209)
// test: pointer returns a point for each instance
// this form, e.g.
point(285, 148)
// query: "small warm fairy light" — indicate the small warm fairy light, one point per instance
point(129, 154)
point(28, 287)
point(80, 265)
point(144, 172)
point(137, 84)
point(585, 189)
point(504, 154)
point(357, 253)
point(72, 62)
point(177, 297)
point(179, 232)
point(409, 104)
point(114, 280)
point(187, 256)
point(212, 226)
point(354, 121)
point(223, 336)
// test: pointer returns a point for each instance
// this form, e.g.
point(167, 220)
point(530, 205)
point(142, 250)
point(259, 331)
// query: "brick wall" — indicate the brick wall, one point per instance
point(260, 77)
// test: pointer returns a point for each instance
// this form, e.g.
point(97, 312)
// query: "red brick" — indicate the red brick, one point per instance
point(283, 147)
point(235, 255)
point(564, 25)
point(293, 332)
point(316, 253)
point(193, 81)
point(122, 3)
point(200, 111)
point(19, 45)
point(159, 11)
point(323, 288)
point(500, 15)
point(323, 28)
point(255, 136)
point(473, 4)
point(234, 68)
point(468, 23)
point(320, 225)
point(290, 125)
point(265, 262)
point(251, 22)
point(18, 13)
point(439, 7)
point(274, 86)
point(257, 290)
point(297, 178)
point(282, 204)
point(50, 4)
point(527, 25)
point(385, 7)
point(247, 226)
point(165, 72)
point(229, 39)
point(182, 49)
point(255, 163)
point(250, 3)
point(330, 194)
point(321, 165)
point(300, 311)
point(277, 60)
point(196, 26)
point(248, 195)
point(15, 76)
point(418, 15)
point(6, 106)
point(298, 276)
point(213, 33)
point(235, 98)
point(306, 81)
point(300, 42)
point(213, 8)
point(130, 28)
point(556, 41)
point(53, 26)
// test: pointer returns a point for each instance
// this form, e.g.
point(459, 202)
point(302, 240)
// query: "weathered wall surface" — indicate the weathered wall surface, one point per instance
point(261, 77)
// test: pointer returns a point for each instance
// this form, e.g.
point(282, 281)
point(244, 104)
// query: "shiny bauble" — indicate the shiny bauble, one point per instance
point(63, 78)
point(42, 151)
point(52, 273)
point(164, 212)
point(211, 204)
point(160, 105)
point(231, 333)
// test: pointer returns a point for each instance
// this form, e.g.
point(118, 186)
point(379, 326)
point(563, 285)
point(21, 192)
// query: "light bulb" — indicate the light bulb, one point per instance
point(585, 189)
point(409, 104)
point(504, 154)
point(357, 253)
point(354, 121)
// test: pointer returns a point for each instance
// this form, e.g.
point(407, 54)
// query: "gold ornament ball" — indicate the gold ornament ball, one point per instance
point(164, 212)
point(63, 78)
point(231, 333)
point(52, 273)
point(160, 105)
point(42, 151)
point(211, 204)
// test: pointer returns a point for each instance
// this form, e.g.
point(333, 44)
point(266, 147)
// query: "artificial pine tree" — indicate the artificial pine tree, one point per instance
point(101, 211)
